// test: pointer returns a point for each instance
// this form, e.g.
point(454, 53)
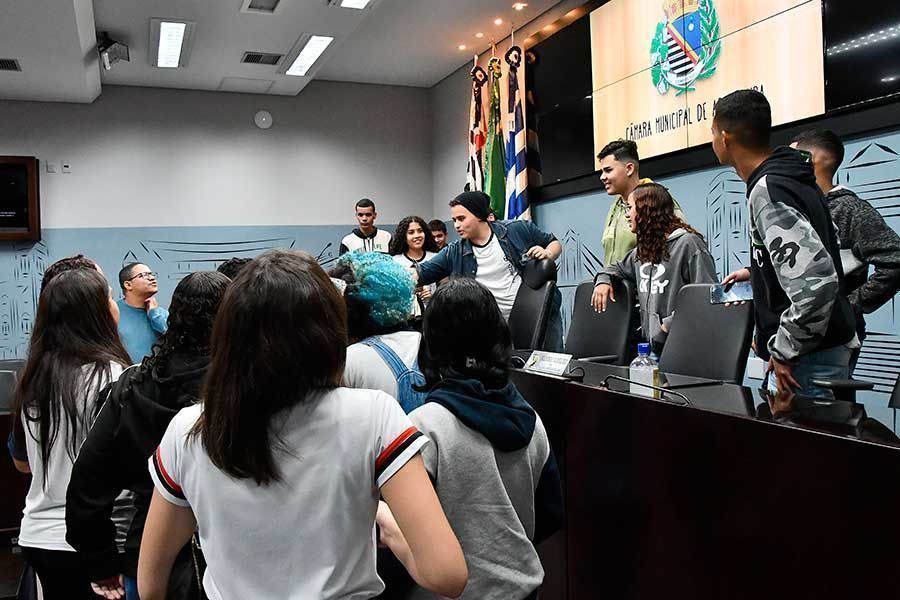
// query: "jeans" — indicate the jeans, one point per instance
point(131, 590)
point(833, 363)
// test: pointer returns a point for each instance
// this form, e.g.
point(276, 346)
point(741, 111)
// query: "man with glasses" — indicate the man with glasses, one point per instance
point(141, 319)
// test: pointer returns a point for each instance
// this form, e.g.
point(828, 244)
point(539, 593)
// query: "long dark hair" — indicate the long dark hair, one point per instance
point(399, 245)
point(280, 334)
point(655, 210)
point(465, 336)
point(75, 338)
point(191, 312)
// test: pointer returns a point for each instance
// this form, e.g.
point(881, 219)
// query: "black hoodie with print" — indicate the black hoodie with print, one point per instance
point(798, 292)
point(114, 457)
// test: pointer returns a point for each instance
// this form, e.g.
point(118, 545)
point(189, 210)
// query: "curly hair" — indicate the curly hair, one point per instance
point(191, 313)
point(379, 293)
point(399, 245)
point(655, 215)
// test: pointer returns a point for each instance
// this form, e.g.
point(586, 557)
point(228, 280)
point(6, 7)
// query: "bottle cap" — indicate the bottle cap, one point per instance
point(644, 349)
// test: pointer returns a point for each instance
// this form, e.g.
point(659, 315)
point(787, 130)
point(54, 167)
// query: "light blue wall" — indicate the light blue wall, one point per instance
point(714, 201)
point(171, 251)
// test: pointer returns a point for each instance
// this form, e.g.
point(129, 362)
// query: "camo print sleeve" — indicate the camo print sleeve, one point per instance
point(804, 269)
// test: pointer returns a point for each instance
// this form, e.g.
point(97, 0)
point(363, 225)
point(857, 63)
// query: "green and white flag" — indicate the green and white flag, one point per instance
point(494, 163)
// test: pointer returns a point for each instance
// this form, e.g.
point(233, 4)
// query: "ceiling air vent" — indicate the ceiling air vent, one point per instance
point(266, 7)
point(261, 58)
point(9, 64)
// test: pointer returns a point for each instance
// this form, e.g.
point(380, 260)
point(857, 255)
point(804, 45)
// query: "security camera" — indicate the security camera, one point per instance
point(110, 50)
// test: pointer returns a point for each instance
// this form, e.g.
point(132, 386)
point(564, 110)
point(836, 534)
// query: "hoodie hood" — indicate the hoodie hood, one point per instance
point(501, 415)
point(785, 162)
point(177, 384)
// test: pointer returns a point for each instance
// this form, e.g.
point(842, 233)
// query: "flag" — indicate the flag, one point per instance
point(533, 151)
point(516, 173)
point(477, 132)
point(494, 165)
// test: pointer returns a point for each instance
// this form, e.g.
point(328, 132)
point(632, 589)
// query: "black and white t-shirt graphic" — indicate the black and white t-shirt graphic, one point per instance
point(652, 279)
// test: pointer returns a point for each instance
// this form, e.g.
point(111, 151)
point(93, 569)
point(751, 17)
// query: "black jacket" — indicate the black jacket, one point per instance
point(798, 290)
point(114, 457)
point(865, 240)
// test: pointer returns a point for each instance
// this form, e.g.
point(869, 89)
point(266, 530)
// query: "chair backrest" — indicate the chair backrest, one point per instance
point(9, 370)
point(894, 402)
point(707, 340)
point(535, 273)
point(601, 334)
point(530, 315)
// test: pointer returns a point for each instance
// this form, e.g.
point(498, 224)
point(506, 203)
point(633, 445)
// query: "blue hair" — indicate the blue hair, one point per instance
point(382, 284)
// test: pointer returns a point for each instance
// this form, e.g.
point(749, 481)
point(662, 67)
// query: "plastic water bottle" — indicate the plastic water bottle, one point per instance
point(643, 369)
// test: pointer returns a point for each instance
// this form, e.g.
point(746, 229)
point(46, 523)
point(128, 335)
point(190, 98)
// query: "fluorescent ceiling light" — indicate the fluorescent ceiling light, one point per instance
point(171, 38)
point(360, 4)
point(311, 52)
point(170, 43)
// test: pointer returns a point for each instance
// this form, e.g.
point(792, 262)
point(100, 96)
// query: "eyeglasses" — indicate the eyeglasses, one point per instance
point(144, 275)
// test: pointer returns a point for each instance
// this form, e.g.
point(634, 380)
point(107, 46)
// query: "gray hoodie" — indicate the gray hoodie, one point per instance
point(658, 285)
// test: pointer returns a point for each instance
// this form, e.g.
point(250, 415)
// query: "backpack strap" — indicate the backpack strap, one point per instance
point(390, 357)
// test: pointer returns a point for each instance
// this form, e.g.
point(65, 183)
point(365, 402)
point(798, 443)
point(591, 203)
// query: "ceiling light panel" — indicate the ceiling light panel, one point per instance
point(312, 49)
point(170, 43)
point(358, 4)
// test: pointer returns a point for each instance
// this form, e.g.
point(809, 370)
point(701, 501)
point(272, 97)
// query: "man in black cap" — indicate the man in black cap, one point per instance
point(494, 254)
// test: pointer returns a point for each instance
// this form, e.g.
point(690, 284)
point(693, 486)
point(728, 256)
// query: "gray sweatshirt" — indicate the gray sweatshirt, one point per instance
point(489, 499)
point(658, 285)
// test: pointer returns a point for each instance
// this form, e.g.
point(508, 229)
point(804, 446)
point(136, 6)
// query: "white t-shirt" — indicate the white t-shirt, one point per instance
point(365, 369)
point(497, 274)
point(44, 517)
point(407, 262)
point(312, 534)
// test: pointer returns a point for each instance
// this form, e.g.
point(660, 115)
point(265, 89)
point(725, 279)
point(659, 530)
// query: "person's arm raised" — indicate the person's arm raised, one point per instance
point(434, 557)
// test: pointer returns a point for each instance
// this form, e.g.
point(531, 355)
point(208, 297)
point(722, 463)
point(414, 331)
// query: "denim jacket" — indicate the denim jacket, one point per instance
point(516, 237)
point(458, 258)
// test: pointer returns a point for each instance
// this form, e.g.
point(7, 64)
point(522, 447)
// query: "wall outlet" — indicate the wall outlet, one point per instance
point(51, 166)
point(66, 167)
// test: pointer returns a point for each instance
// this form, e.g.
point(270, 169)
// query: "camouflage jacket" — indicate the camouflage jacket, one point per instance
point(795, 268)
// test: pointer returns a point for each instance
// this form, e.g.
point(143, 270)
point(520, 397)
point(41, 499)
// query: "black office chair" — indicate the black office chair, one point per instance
point(601, 337)
point(707, 340)
point(894, 402)
point(9, 370)
point(530, 313)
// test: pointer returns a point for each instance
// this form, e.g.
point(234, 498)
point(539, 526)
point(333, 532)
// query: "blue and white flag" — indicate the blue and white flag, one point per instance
point(516, 136)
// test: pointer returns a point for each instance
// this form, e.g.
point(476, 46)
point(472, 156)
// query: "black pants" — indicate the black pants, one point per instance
point(62, 574)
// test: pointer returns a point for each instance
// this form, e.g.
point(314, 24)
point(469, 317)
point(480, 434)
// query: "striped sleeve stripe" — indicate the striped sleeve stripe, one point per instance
point(398, 453)
point(165, 480)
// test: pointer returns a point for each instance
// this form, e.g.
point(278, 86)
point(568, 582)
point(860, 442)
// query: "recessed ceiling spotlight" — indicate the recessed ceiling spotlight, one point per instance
point(479, 35)
point(462, 46)
point(520, 5)
point(498, 21)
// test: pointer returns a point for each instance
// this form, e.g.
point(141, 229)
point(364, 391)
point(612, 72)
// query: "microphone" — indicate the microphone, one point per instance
point(605, 384)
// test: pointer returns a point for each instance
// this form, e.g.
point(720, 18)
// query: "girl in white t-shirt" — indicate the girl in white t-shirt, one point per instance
point(280, 470)
point(74, 352)
point(413, 243)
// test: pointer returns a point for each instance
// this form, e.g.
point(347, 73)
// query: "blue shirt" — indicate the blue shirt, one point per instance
point(139, 329)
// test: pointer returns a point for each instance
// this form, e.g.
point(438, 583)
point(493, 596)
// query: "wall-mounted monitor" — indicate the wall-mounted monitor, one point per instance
point(20, 214)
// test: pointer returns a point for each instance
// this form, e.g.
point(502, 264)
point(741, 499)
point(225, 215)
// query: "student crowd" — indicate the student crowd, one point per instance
point(283, 432)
